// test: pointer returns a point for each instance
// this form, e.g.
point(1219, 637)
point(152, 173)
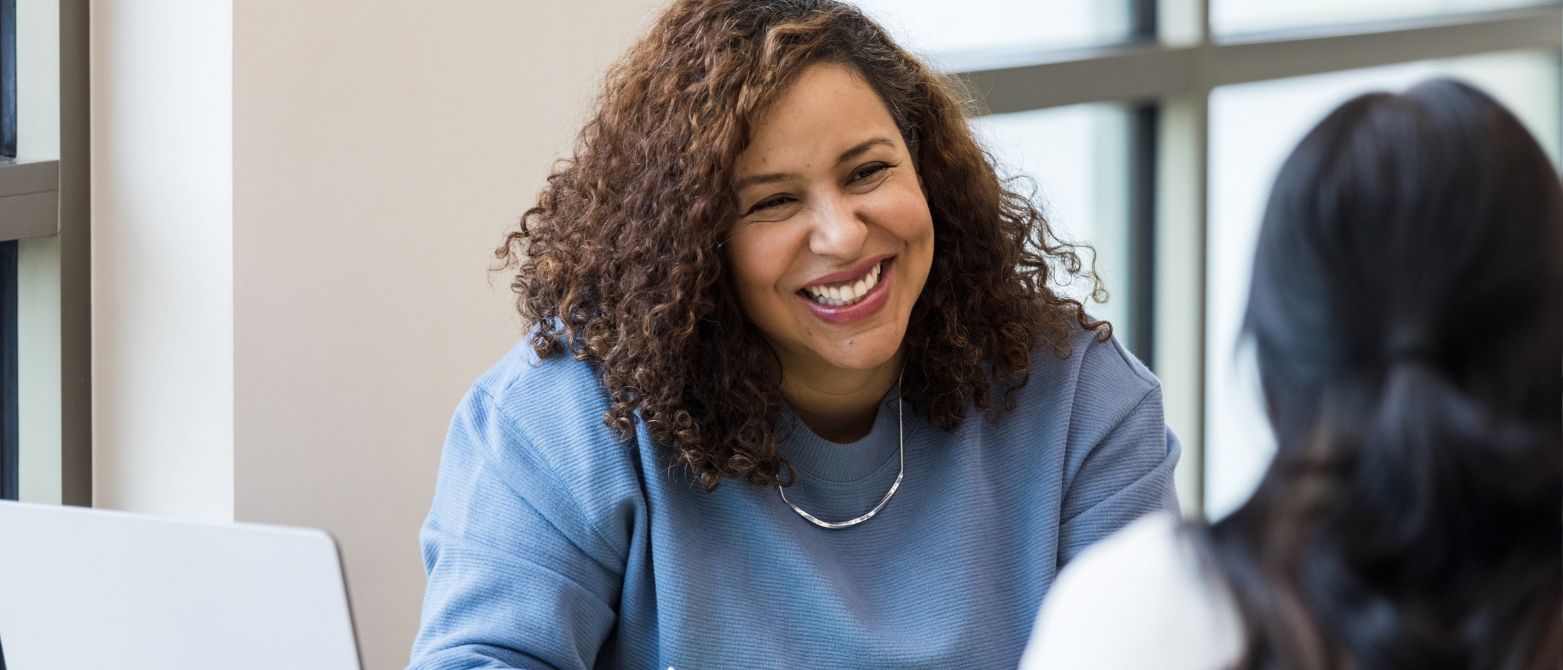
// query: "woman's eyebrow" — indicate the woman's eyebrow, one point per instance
point(847, 155)
point(858, 150)
point(771, 178)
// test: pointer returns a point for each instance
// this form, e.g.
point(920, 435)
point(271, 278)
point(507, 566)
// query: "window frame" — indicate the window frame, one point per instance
point(7, 79)
point(42, 198)
point(10, 428)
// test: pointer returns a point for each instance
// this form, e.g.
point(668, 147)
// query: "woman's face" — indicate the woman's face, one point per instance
point(834, 239)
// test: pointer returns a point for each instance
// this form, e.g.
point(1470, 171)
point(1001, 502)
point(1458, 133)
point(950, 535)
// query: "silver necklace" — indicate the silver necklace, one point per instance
point(838, 525)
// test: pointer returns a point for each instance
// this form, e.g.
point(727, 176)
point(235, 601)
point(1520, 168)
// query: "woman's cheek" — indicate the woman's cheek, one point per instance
point(758, 275)
point(907, 212)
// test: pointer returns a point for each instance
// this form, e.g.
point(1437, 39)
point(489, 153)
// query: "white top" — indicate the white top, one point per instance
point(1138, 599)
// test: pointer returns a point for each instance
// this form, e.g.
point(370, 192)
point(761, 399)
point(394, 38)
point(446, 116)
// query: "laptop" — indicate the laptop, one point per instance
point(83, 588)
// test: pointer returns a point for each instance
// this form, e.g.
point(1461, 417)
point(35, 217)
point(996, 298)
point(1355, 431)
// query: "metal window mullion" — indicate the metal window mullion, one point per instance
point(10, 427)
point(1141, 120)
point(1144, 134)
point(75, 225)
point(1142, 72)
point(1177, 250)
point(1243, 62)
point(1149, 71)
point(8, 78)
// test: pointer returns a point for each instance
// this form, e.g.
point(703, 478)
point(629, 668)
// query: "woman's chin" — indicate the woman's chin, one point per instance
point(855, 354)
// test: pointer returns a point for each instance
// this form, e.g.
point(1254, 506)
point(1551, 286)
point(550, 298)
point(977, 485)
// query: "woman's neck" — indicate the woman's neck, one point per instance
point(838, 405)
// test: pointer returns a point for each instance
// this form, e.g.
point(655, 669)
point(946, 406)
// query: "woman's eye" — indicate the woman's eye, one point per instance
point(868, 171)
point(773, 201)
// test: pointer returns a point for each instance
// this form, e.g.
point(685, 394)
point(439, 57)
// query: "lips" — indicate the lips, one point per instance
point(851, 295)
point(845, 293)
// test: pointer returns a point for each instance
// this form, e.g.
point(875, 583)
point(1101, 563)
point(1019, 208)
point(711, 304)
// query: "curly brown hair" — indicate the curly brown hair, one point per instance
point(619, 263)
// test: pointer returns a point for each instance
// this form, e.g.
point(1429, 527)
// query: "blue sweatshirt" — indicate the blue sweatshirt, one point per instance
point(552, 544)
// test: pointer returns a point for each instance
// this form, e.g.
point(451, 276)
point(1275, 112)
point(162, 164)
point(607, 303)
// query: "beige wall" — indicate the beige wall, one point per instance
point(295, 208)
point(381, 148)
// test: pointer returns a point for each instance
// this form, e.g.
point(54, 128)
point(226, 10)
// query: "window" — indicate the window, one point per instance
point(1153, 130)
point(947, 32)
point(1077, 160)
point(45, 338)
point(1240, 16)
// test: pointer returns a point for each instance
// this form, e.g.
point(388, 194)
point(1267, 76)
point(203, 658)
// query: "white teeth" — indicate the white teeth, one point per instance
point(849, 293)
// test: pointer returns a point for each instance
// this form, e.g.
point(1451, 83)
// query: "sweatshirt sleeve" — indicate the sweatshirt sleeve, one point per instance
point(1125, 454)
point(519, 575)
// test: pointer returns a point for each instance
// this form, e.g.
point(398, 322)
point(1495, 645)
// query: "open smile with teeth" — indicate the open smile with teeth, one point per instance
point(845, 293)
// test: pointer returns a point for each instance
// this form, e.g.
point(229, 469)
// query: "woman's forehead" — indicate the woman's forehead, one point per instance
point(828, 112)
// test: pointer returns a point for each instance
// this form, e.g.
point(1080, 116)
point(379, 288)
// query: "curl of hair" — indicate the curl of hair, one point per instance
point(619, 263)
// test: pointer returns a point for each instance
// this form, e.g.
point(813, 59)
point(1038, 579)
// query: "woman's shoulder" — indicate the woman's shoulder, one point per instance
point(1140, 598)
point(1090, 358)
point(527, 445)
point(1095, 378)
point(521, 373)
point(544, 395)
point(545, 414)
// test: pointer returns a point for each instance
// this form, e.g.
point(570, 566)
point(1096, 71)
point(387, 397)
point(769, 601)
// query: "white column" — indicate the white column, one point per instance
point(162, 245)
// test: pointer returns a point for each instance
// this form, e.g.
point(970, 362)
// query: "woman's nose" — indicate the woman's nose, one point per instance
point(838, 231)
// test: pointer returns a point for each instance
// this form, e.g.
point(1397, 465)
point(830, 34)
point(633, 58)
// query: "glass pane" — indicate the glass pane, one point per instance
point(1242, 16)
point(1077, 159)
point(943, 30)
point(1253, 127)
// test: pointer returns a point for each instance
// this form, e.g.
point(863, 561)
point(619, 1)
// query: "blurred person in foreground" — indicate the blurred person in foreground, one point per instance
point(1407, 313)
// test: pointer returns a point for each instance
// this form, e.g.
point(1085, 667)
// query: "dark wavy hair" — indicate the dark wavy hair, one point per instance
point(618, 263)
point(1407, 311)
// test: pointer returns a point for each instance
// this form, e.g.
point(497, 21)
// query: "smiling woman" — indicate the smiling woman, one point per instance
point(832, 246)
point(778, 256)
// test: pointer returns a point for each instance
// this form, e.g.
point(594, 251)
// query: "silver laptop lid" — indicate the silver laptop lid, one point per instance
point(84, 588)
